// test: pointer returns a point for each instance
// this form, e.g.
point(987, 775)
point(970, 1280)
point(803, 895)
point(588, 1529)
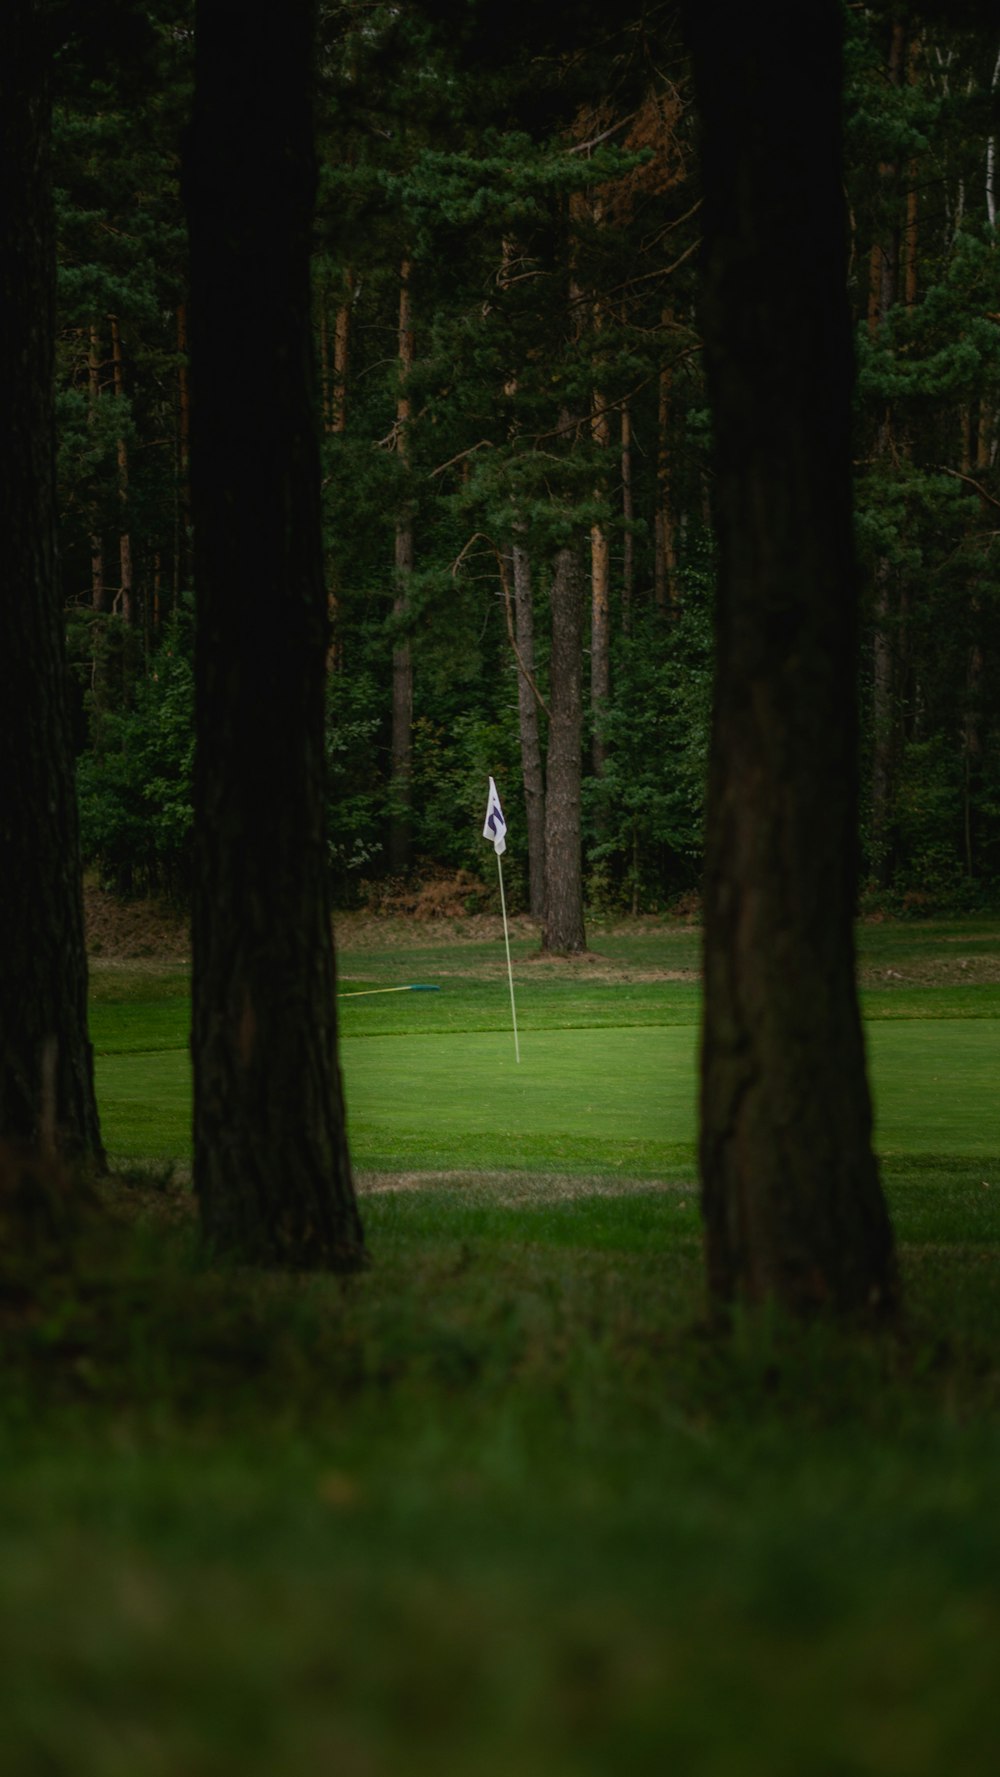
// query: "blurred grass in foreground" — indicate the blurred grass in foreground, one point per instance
point(498, 1503)
point(501, 1504)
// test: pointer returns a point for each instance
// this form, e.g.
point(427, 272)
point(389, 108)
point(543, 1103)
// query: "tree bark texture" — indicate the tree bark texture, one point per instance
point(664, 546)
point(97, 593)
point(532, 771)
point(628, 517)
point(183, 543)
point(43, 964)
point(600, 605)
point(792, 1206)
point(563, 928)
point(124, 603)
point(272, 1171)
point(341, 355)
point(400, 828)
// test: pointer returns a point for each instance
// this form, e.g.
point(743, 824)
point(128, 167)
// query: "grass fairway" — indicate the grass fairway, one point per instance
point(498, 1505)
point(606, 1084)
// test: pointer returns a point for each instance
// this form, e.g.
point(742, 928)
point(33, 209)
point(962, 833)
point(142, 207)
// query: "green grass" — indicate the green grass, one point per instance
point(494, 1506)
point(607, 1081)
point(499, 1505)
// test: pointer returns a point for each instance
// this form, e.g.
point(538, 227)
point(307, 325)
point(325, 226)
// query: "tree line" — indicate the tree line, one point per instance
point(517, 477)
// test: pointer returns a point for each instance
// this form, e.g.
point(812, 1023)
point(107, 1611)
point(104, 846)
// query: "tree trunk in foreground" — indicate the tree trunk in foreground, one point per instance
point(790, 1194)
point(562, 927)
point(43, 963)
point(272, 1171)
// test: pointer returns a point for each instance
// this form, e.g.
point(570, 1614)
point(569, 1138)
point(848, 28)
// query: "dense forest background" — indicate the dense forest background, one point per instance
point(511, 393)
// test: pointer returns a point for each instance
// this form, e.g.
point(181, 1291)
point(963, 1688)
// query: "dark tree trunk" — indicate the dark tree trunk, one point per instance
point(531, 747)
point(790, 1194)
point(182, 547)
point(600, 606)
point(628, 516)
point(562, 929)
point(664, 544)
point(272, 1171)
point(43, 964)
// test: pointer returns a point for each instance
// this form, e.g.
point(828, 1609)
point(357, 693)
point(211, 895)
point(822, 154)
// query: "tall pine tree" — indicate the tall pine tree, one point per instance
point(46, 1064)
point(272, 1170)
point(792, 1205)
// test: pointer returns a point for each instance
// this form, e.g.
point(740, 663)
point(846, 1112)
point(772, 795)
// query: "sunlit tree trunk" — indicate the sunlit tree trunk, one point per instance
point(628, 515)
point(600, 606)
point(529, 728)
point(600, 560)
point(341, 357)
point(664, 541)
point(563, 928)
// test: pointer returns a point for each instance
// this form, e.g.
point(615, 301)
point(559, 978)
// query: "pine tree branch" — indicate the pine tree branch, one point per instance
point(522, 669)
point(595, 141)
point(501, 561)
point(484, 444)
point(980, 490)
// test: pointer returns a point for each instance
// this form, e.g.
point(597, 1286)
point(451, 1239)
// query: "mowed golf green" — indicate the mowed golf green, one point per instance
point(432, 1081)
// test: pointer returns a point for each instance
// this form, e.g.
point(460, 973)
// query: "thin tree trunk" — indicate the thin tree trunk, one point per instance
point(335, 421)
point(123, 598)
point(972, 734)
point(884, 727)
point(911, 232)
point(972, 743)
point(522, 632)
point(46, 1063)
point(341, 355)
point(182, 569)
point(563, 928)
point(664, 543)
point(790, 1195)
point(991, 148)
point(325, 400)
point(156, 616)
point(600, 607)
point(400, 828)
point(528, 726)
point(271, 1165)
point(98, 594)
point(600, 561)
point(628, 515)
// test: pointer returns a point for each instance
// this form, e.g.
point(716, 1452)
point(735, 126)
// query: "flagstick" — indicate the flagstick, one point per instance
point(510, 972)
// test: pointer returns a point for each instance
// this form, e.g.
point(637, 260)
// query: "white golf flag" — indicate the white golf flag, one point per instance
point(496, 826)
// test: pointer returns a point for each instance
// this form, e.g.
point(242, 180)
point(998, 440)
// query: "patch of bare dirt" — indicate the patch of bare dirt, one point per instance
point(945, 971)
point(134, 932)
point(520, 1187)
point(395, 931)
point(595, 969)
